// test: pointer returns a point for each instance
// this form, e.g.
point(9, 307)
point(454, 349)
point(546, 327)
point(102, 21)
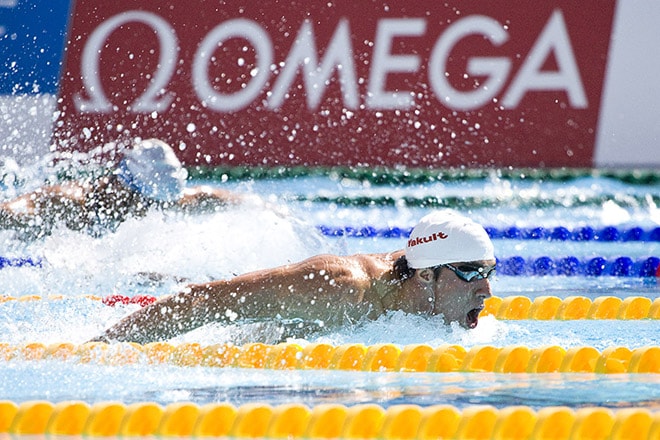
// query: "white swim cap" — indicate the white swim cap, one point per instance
point(152, 169)
point(446, 237)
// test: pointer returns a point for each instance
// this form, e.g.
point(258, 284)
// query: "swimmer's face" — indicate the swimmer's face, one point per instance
point(459, 300)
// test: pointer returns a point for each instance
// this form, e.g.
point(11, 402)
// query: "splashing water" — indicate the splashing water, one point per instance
point(172, 248)
point(162, 252)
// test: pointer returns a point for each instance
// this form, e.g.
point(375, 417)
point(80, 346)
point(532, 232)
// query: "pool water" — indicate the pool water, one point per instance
point(293, 218)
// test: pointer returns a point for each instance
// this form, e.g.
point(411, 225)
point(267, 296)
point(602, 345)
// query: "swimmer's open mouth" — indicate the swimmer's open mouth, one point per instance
point(472, 318)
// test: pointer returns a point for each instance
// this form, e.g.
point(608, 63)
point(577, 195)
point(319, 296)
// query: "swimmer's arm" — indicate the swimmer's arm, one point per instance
point(19, 212)
point(7, 218)
point(257, 295)
point(162, 320)
point(197, 305)
point(207, 198)
point(42, 207)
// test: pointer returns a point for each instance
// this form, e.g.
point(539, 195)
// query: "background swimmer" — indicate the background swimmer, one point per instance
point(148, 176)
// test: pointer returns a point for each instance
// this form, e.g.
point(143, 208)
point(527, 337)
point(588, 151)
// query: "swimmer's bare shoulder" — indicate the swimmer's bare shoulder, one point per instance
point(318, 288)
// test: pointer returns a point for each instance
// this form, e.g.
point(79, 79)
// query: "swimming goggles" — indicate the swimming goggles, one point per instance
point(471, 273)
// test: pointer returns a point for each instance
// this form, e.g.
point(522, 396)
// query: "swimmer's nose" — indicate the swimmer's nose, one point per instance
point(484, 292)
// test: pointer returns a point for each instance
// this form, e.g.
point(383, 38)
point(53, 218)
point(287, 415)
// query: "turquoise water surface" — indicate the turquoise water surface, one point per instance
point(296, 217)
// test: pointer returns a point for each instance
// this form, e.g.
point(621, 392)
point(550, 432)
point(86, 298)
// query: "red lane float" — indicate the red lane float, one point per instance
point(142, 300)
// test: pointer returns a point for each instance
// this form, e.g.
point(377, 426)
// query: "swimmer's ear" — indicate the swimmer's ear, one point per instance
point(426, 276)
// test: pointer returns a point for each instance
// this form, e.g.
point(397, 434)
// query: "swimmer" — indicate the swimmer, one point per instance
point(443, 270)
point(148, 176)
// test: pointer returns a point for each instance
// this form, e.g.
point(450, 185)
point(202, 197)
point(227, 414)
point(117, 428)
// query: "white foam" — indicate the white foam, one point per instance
point(178, 248)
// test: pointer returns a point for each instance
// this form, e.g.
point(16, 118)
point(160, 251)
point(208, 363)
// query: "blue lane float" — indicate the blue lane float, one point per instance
point(573, 266)
point(364, 232)
point(560, 233)
point(20, 262)
point(509, 266)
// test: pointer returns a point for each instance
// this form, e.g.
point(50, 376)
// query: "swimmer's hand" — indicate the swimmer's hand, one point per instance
point(164, 319)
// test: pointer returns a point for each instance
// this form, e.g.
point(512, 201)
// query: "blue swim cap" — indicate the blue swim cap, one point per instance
point(152, 169)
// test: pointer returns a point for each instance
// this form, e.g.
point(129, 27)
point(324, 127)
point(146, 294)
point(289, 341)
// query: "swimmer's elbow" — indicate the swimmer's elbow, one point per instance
point(100, 338)
point(117, 334)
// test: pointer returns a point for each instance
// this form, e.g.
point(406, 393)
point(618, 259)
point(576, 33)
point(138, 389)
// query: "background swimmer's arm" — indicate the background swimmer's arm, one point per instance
point(206, 198)
point(22, 214)
point(43, 207)
point(7, 218)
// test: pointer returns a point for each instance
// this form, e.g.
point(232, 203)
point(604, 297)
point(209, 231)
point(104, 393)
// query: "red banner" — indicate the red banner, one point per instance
point(425, 83)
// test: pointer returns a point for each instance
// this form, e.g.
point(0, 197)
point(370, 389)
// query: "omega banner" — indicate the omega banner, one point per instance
point(342, 82)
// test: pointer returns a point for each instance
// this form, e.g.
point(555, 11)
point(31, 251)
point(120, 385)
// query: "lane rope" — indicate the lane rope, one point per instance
point(407, 176)
point(515, 307)
point(517, 265)
point(559, 233)
point(351, 357)
point(477, 202)
point(323, 421)
point(20, 262)
point(579, 266)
